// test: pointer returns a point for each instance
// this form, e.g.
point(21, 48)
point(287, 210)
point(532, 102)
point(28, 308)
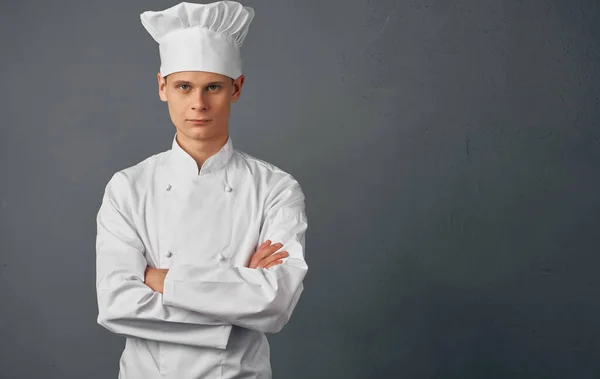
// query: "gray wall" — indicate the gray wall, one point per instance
point(449, 153)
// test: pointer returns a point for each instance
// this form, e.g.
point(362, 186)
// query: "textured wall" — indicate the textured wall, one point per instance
point(449, 153)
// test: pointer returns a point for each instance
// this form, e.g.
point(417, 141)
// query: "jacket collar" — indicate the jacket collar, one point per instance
point(184, 164)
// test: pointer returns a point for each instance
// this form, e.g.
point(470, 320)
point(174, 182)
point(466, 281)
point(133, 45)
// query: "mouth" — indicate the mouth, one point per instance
point(199, 121)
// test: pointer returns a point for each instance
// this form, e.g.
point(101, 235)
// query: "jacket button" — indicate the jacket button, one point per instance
point(228, 189)
point(222, 258)
point(169, 254)
point(169, 187)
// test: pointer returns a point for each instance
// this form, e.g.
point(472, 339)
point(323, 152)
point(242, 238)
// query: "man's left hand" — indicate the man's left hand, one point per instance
point(155, 278)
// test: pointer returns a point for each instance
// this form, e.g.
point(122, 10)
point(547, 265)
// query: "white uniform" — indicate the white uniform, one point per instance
point(204, 227)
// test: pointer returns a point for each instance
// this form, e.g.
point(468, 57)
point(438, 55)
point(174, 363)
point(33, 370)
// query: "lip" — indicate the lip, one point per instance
point(200, 121)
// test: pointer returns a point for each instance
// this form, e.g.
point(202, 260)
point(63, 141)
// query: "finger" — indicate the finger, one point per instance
point(256, 257)
point(274, 257)
point(264, 245)
point(265, 252)
point(273, 264)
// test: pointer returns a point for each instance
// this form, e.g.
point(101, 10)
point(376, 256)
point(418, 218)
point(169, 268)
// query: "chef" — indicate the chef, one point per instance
point(200, 248)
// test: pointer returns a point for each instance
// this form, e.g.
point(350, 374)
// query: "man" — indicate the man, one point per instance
point(187, 265)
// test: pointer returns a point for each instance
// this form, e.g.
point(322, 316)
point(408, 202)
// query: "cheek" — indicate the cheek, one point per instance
point(221, 106)
point(177, 113)
point(177, 107)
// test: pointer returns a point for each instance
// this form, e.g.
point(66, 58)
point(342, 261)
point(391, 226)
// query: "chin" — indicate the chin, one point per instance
point(199, 133)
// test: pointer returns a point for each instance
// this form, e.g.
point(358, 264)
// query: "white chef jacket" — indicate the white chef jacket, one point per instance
point(204, 226)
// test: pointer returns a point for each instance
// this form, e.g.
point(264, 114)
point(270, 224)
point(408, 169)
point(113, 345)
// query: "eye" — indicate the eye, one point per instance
point(215, 86)
point(184, 85)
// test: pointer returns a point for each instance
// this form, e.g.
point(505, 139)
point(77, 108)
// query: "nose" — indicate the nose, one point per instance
point(199, 102)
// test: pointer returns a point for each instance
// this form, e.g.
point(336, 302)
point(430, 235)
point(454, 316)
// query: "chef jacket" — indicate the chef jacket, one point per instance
point(204, 226)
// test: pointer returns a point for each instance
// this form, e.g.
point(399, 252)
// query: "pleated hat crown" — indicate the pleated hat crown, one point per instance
point(200, 37)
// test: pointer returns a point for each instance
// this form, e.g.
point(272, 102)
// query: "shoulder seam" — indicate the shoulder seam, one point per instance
point(262, 163)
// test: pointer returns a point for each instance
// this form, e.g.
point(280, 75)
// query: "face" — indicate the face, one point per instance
point(198, 95)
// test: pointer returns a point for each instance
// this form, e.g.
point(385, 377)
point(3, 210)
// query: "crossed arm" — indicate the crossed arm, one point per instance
point(198, 305)
point(265, 257)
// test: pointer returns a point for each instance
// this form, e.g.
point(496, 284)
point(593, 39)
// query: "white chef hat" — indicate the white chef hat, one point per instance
point(200, 37)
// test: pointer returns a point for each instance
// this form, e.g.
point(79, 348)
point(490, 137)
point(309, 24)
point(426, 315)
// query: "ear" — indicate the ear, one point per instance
point(162, 92)
point(237, 88)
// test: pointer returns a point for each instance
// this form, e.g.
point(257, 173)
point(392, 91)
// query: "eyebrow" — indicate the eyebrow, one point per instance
point(177, 82)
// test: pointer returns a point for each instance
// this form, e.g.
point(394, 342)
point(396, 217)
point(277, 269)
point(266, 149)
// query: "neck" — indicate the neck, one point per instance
point(203, 149)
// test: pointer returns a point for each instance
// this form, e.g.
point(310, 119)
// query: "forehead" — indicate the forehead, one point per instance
point(197, 77)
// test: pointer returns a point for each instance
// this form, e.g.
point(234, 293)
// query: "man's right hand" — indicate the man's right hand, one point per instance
point(264, 257)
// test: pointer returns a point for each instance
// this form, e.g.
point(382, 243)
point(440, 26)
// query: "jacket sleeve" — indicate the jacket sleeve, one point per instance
point(126, 305)
point(259, 299)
